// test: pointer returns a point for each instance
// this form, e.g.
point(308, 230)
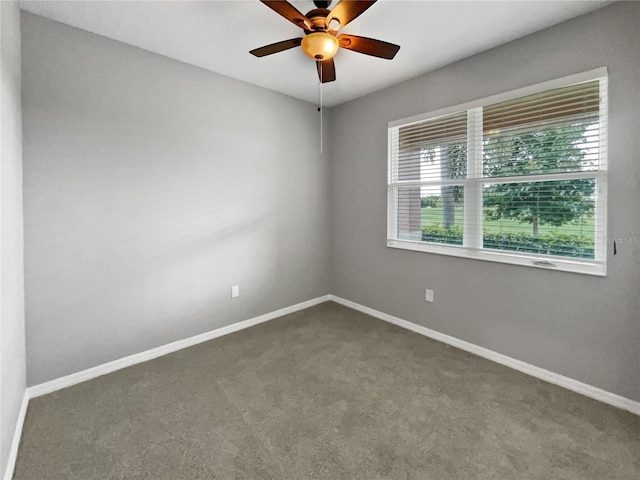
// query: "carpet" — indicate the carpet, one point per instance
point(324, 393)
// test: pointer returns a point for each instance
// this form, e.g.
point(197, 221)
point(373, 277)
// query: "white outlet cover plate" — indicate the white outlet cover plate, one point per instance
point(428, 296)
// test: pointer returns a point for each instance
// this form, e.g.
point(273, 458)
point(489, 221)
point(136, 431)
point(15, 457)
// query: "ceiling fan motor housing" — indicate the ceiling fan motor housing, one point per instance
point(318, 19)
point(322, 4)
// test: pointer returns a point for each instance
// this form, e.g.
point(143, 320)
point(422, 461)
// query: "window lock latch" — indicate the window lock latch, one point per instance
point(543, 263)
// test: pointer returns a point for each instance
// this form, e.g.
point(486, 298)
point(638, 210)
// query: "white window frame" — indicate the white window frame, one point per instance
point(473, 214)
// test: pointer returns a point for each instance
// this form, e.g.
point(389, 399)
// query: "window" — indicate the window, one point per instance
point(516, 178)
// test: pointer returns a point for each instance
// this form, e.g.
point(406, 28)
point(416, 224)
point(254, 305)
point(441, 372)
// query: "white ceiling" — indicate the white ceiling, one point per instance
point(217, 35)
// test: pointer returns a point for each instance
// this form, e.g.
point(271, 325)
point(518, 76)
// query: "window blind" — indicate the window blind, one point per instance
point(418, 152)
point(550, 132)
point(521, 180)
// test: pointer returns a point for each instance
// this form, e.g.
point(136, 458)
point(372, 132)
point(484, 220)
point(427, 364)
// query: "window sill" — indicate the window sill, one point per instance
point(543, 262)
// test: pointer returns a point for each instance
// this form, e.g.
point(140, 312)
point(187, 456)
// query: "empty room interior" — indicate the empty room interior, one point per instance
point(330, 240)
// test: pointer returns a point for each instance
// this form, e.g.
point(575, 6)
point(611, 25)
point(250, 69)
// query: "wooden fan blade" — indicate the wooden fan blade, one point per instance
point(289, 12)
point(276, 47)
point(348, 10)
point(326, 70)
point(369, 46)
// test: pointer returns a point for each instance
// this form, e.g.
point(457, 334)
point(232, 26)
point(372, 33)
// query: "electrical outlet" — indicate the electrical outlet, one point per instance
point(235, 291)
point(428, 295)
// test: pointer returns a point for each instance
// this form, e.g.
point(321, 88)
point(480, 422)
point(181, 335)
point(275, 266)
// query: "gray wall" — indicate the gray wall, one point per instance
point(12, 347)
point(581, 326)
point(151, 187)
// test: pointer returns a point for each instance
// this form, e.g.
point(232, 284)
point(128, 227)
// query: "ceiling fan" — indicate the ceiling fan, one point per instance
point(321, 27)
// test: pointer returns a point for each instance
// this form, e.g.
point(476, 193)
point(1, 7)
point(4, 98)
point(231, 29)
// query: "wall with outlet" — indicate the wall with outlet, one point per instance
point(151, 188)
point(580, 326)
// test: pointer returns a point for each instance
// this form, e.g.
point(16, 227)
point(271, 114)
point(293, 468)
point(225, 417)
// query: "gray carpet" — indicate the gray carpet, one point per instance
point(326, 393)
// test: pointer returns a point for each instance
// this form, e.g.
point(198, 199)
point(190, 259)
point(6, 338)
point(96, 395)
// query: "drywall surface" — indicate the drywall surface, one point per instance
point(152, 187)
point(12, 344)
point(584, 327)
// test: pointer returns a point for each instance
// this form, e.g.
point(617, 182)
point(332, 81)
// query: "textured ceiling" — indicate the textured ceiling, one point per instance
point(217, 35)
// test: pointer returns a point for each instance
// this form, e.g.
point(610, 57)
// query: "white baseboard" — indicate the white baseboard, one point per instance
point(84, 375)
point(17, 435)
point(546, 375)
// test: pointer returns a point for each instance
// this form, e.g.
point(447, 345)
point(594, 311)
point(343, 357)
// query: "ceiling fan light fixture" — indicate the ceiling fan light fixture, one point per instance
point(320, 45)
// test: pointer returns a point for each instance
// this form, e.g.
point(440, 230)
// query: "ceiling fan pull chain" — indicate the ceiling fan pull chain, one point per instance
point(320, 105)
point(319, 88)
